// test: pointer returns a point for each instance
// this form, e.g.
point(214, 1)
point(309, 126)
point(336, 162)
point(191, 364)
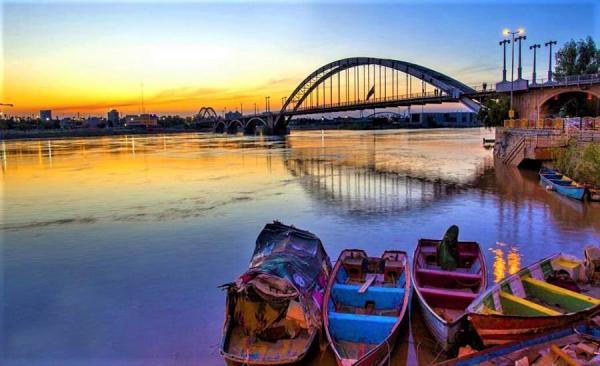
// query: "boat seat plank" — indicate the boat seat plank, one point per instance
point(383, 297)
point(370, 278)
point(360, 328)
point(564, 298)
point(445, 298)
point(514, 305)
point(441, 278)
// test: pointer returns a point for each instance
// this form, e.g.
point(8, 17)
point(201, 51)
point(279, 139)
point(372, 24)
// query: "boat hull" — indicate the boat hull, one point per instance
point(380, 354)
point(569, 191)
point(503, 352)
point(502, 329)
point(444, 333)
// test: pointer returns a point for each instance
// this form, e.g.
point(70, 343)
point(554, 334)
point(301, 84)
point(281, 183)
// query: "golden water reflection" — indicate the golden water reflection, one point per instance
point(507, 261)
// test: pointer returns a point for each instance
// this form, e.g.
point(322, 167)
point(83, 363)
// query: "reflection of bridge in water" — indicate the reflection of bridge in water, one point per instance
point(361, 189)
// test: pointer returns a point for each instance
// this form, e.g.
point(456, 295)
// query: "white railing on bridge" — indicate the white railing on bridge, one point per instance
point(434, 95)
point(568, 80)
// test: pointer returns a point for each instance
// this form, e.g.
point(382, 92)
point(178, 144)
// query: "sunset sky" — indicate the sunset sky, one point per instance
point(76, 57)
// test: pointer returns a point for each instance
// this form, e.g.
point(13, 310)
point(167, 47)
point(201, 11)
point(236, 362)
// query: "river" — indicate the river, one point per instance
point(112, 248)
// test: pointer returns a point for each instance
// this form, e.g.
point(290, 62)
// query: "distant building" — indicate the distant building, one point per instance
point(142, 120)
point(113, 118)
point(230, 116)
point(94, 122)
point(45, 114)
point(448, 119)
point(68, 123)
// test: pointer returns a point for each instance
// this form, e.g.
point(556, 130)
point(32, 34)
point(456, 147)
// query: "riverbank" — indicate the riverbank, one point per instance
point(89, 132)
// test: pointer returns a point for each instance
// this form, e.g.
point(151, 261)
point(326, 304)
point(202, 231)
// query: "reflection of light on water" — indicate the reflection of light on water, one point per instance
point(512, 261)
point(499, 265)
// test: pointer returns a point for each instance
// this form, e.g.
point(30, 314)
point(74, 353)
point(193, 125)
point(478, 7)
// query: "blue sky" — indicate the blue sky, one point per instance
point(79, 55)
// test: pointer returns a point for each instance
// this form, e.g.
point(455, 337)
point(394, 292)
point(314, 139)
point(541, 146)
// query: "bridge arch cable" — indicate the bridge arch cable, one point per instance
point(301, 99)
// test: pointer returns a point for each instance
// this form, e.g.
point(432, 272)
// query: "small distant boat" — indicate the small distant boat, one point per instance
point(543, 297)
point(273, 310)
point(366, 302)
point(444, 295)
point(594, 194)
point(572, 345)
point(561, 184)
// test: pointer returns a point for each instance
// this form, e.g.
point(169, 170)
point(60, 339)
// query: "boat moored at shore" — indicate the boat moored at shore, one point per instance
point(365, 306)
point(545, 296)
point(444, 294)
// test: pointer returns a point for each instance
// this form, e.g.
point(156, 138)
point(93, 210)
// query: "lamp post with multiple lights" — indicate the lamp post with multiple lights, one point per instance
point(550, 43)
point(534, 48)
point(521, 33)
point(520, 68)
point(503, 44)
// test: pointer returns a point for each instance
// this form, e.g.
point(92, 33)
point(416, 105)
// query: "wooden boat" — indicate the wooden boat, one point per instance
point(545, 296)
point(561, 184)
point(366, 301)
point(572, 345)
point(443, 296)
point(273, 311)
point(594, 194)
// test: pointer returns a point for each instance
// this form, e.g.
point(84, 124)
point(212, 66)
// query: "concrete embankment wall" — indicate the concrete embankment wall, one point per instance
point(515, 145)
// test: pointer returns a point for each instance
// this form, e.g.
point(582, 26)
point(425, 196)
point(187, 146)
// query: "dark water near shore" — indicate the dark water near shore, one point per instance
point(112, 248)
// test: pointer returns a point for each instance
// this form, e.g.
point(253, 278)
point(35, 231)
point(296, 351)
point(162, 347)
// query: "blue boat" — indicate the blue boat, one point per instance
point(554, 346)
point(561, 184)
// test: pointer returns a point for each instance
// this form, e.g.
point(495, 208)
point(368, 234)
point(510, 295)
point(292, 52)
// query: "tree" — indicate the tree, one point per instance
point(494, 111)
point(577, 58)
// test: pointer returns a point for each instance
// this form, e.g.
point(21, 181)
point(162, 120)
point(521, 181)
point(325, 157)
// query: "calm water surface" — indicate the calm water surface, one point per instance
point(112, 248)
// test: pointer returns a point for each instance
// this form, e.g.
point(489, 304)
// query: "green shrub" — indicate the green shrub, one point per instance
point(581, 163)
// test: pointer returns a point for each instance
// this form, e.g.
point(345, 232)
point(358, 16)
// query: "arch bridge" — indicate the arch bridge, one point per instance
point(360, 83)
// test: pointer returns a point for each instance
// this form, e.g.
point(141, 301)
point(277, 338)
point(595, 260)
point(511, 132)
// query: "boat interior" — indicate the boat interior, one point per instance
point(284, 339)
point(448, 293)
point(539, 291)
point(367, 300)
point(579, 348)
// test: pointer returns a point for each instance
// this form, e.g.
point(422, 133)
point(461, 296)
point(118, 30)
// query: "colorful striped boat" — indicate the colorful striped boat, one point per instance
point(544, 349)
point(443, 296)
point(561, 184)
point(545, 296)
point(366, 299)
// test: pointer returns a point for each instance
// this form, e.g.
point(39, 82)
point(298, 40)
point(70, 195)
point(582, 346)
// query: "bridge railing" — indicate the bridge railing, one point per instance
point(569, 80)
point(375, 100)
point(563, 124)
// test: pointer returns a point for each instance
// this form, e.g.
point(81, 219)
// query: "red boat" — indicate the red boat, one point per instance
point(444, 295)
point(366, 301)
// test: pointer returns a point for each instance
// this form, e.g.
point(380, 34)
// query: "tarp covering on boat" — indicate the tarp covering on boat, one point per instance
point(282, 291)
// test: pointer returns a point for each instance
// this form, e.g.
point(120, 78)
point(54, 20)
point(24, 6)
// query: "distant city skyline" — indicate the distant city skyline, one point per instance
point(73, 57)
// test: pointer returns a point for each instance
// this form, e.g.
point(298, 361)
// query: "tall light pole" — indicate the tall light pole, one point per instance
point(255, 112)
point(550, 43)
point(507, 32)
point(520, 68)
point(503, 44)
point(534, 48)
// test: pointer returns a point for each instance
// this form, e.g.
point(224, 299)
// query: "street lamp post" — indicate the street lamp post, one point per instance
point(255, 109)
point(520, 69)
point(534, 48)
point(550, 43)
point(503, 44)
point(507, 32)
